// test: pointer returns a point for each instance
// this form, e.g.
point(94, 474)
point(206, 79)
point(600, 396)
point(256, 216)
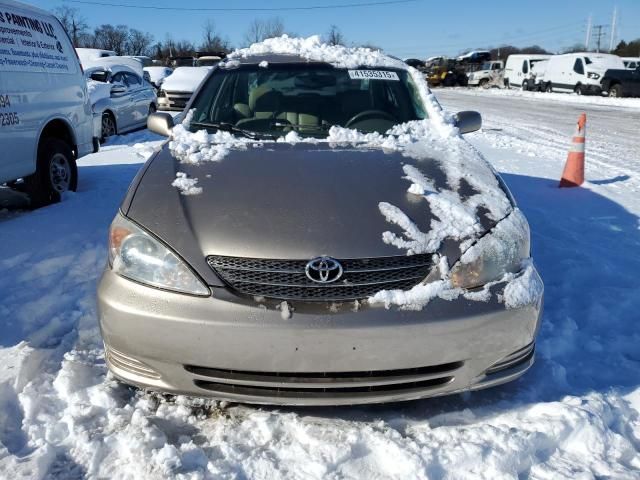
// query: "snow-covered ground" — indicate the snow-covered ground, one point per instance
point(574, 415)
point(554, 97)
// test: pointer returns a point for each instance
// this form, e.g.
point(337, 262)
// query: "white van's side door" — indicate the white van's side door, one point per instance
point(16, 132)
point(576, 74)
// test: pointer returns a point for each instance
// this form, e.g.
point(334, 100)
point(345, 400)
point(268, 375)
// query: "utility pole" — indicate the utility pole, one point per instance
point(588, 39)
point(598, 33)
point(613, 28)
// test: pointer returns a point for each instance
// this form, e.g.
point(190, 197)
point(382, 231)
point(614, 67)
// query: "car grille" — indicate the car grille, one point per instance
point(323, 384)
point(287, 280)
point(178, 100)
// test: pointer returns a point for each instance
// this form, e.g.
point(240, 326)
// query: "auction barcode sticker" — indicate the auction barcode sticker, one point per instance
point(373, 75)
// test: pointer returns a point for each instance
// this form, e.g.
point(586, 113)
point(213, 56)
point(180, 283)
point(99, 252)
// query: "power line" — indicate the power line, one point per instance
point(570, 28)
point(241, 9)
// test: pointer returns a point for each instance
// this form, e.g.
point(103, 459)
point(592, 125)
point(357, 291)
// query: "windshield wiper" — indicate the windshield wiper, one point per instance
point(229, 127)
point(299, 126)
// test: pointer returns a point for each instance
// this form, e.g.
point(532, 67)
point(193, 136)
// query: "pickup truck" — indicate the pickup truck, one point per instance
point(621, 83)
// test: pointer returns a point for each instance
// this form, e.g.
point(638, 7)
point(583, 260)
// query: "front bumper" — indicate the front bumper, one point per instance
point(241, 350)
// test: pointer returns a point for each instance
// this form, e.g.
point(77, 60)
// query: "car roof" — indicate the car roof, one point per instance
point(282, 59)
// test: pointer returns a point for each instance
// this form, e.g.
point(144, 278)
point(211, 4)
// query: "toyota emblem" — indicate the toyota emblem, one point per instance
point(323, 270)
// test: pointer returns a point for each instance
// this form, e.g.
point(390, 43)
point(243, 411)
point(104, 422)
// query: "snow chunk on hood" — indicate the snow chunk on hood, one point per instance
point(186, 185)
point(201, 146)
point(507, 241)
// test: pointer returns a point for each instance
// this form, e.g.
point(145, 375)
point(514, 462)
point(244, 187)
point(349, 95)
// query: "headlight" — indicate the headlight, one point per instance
point(594, 76)
point(500, 251)
point(138, 256)
point(162, 93)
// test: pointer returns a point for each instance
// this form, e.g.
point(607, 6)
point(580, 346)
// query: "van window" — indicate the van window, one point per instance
point(578, 67)
point(525, 66)
point(587, 60)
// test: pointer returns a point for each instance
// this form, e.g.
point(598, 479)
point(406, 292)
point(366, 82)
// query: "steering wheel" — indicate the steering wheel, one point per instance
point(368, 114)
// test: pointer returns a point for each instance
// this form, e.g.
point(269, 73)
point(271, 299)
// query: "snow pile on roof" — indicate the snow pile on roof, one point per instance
point(114, 63)
point(186, 185)
point(185, 79)
point(98, 91)
point(313, 49)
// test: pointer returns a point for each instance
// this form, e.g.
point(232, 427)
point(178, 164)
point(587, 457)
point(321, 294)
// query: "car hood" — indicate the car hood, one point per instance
point(284, 201)
point(185, 79)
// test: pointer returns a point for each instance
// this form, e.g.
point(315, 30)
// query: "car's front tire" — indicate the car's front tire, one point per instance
point(56, 172)
point(615, 91)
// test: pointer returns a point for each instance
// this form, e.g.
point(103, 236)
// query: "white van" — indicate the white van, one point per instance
point(579, 72)
point(46, 122)
point(518, 70)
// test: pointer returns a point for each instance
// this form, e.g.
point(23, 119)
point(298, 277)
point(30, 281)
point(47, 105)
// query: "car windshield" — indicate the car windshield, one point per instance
point(307, 99)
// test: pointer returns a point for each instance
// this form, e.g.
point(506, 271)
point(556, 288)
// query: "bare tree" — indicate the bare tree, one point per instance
point(113, 38)
point(211, 40)
point(138, 43)
point(260, 30)
point(75, 25)
point(335, 36)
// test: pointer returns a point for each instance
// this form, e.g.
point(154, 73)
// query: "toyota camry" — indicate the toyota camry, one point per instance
point(316, 231)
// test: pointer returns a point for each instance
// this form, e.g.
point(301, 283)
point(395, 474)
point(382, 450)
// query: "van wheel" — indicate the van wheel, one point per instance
point(56, 173)
point(108, 126)
point(615, 91)
point(549, 88)
point(484, 83)
point(578, 90)
point(525, 85)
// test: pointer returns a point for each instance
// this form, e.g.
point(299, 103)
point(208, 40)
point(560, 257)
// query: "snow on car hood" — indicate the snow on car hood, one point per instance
point(420, 188)
point(185, 79)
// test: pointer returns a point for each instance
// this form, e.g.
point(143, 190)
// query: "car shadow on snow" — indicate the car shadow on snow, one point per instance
point(52, 257)
point(586, 249)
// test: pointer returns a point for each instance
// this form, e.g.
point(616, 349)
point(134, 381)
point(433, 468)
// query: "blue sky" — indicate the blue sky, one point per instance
point(418, 29)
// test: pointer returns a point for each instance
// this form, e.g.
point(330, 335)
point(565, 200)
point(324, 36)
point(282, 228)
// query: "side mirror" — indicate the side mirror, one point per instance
point(468, 121)
point(118, 90)
point(160, 123)
point(99, 76)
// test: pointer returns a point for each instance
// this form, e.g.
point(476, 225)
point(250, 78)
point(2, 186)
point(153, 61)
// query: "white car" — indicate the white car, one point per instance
point(178, 87)
point(46, 122)
point(122, 100)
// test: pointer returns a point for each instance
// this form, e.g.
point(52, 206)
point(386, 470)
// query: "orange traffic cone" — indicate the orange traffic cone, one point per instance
point(573, 174)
